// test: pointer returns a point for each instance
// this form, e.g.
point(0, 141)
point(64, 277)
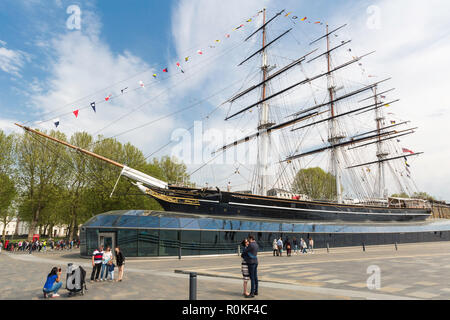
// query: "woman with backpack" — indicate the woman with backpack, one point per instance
point(120, 259)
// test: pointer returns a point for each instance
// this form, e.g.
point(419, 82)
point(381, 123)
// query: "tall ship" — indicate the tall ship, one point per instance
point(335, 118)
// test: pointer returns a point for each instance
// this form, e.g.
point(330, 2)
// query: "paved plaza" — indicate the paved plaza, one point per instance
point(414, 271)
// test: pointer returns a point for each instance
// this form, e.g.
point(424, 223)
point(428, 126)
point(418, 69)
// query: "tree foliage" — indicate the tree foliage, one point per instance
point(316, 183)
point(57, 185)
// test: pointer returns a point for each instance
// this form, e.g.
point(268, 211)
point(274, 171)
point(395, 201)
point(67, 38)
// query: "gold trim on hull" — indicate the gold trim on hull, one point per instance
point(193, 202)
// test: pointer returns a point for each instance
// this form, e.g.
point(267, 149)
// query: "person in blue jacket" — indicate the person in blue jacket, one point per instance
point(250, 255)
point(53, 283)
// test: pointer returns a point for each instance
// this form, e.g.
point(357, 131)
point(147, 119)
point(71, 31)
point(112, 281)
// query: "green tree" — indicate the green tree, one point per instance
point(7, 195)
point(173, 171)
point(42, 168)
point(423, 196)
point(315, 183)
point(400, 195)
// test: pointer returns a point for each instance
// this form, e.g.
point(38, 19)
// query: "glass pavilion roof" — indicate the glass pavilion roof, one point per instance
point(148, 219)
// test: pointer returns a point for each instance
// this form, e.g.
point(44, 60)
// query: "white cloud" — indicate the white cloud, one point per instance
point(12, 61)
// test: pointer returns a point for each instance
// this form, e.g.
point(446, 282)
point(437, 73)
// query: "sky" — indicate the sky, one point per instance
point(58, 56)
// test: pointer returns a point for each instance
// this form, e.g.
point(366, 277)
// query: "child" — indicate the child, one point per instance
point(111, 266)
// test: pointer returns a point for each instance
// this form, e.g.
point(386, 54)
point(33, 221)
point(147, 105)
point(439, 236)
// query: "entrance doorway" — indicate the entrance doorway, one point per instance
point(107, 239)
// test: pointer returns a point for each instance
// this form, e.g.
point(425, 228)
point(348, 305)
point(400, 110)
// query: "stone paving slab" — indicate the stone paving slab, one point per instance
point(340, 274)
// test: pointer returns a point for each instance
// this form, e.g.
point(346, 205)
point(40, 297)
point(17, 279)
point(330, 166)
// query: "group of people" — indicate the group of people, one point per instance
point(103, 264)
point(40, 245)
point(278, 246)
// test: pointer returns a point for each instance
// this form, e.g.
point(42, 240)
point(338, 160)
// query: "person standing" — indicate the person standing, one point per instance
point(1, 246)
point(53, 283)
point(280, 246)
point(303, 245)
point(120, 259)
point(295, 245)
point(244, 266)
point(311, 245)
point(288, 247)
point(97, 256)
point(275, 248)
point(252, 262)
point(107, 256)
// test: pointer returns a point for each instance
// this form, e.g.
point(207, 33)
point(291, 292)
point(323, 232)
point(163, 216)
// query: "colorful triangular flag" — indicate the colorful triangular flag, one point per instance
point(407, 151)
point(141, 83)
point(121, 91)
point(93, 106)
point(165, 70)
point(56, 122)
point(303, 19)
point(199, 51)
point(154, 75)
point(108, 97)
point(186, 59)
point(76, 113)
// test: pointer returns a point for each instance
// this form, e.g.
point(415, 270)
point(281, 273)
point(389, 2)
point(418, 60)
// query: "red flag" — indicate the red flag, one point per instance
point(76, 113)
point(165, 70)
point(407, 150)
point(107, 98)
point(200, 52)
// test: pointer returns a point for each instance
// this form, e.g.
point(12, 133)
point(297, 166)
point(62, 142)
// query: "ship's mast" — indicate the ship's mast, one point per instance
point(381, 154)
point(264, 141)
point(333, 136)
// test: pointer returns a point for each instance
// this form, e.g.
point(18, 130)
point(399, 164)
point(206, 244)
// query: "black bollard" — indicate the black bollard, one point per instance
point(396, 246)
point(364, 247)
point(192, 286)
point(328, 248)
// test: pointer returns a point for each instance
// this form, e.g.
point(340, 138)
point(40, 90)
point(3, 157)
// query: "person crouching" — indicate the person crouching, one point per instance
point(53, 283)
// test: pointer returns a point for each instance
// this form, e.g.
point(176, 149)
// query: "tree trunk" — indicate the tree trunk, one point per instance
point(16, 230)
point(33, 225)
point(4, 230)
point(50, 230)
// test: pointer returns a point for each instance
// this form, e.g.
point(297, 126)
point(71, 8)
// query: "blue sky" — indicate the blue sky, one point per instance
point(47, 70)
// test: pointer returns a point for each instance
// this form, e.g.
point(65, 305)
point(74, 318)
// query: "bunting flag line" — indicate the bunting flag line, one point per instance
point(407, 151)
point(392, 122)
point(217, 43)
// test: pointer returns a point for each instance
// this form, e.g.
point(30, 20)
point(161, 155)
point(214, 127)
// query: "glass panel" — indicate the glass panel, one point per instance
point(149, 222)
point(287, 227)
point(168, 242)
point(209, 242)
point(91, 240)
point(105, 220)
point(269, 226)
point(207, 224)
point(189, 223)
point(148, 243)
point(168, 222)
point(190, 242)
point(128, 221)
point(127, 241)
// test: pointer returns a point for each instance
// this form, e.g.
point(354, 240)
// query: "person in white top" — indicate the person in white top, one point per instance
point(107, 256)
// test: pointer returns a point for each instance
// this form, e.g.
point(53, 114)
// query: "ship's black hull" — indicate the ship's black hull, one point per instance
point(217, 203)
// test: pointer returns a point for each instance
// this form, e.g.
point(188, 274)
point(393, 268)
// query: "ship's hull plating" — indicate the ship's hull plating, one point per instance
point(216, 203)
